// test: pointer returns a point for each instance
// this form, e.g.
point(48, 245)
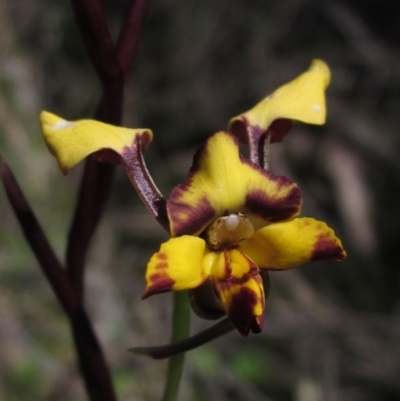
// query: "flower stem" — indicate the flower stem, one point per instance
point(180, 330)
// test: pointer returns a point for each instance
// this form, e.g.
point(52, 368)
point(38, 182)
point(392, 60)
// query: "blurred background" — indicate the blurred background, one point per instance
point(332, 330)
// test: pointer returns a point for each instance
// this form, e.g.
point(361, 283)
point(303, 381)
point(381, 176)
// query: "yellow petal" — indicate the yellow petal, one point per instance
point(178, 265)
point(220, 183)
point(240, 289)
point(302, 99)
point(289, 244)
point(72, 141)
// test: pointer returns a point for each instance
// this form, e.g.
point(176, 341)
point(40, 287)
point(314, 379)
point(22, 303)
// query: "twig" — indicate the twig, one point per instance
point(111, 67)
point(128, 39)
point(37, 240)
point(93, 364)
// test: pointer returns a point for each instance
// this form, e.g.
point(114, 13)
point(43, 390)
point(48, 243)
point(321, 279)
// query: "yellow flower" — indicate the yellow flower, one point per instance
point(229, 220)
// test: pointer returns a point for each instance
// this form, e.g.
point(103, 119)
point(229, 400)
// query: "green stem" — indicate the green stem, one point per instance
point(180, 331)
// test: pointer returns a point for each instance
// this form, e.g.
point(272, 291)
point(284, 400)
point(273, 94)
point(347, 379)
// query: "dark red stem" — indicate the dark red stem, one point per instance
point(92, 361)
point(37, 240)
point(93, 29)
point(112, 66)
point(128, 39)
point(93, 194)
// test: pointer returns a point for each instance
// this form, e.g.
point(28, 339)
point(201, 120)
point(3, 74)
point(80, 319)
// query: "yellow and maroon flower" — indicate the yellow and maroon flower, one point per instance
point(229, 221)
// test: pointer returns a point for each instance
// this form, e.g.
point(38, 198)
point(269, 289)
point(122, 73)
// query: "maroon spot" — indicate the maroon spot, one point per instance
point(161, 266)
point(241, 312)
point(327, 249)
point(229, 280)
point(160, 283)
point(272, 209)
point(162, 256)
point(196, 217)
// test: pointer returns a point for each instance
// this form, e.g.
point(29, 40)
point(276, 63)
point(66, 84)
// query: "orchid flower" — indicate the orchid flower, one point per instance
point(229, 221)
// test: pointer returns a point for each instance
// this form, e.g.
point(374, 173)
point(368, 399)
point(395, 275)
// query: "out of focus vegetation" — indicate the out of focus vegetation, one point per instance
point(332, 331)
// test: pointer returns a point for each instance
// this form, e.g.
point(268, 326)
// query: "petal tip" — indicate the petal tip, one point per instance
point(328, 247)
point(159, 283)
point(246, 308)
point(323, 68)
point(47, 118)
